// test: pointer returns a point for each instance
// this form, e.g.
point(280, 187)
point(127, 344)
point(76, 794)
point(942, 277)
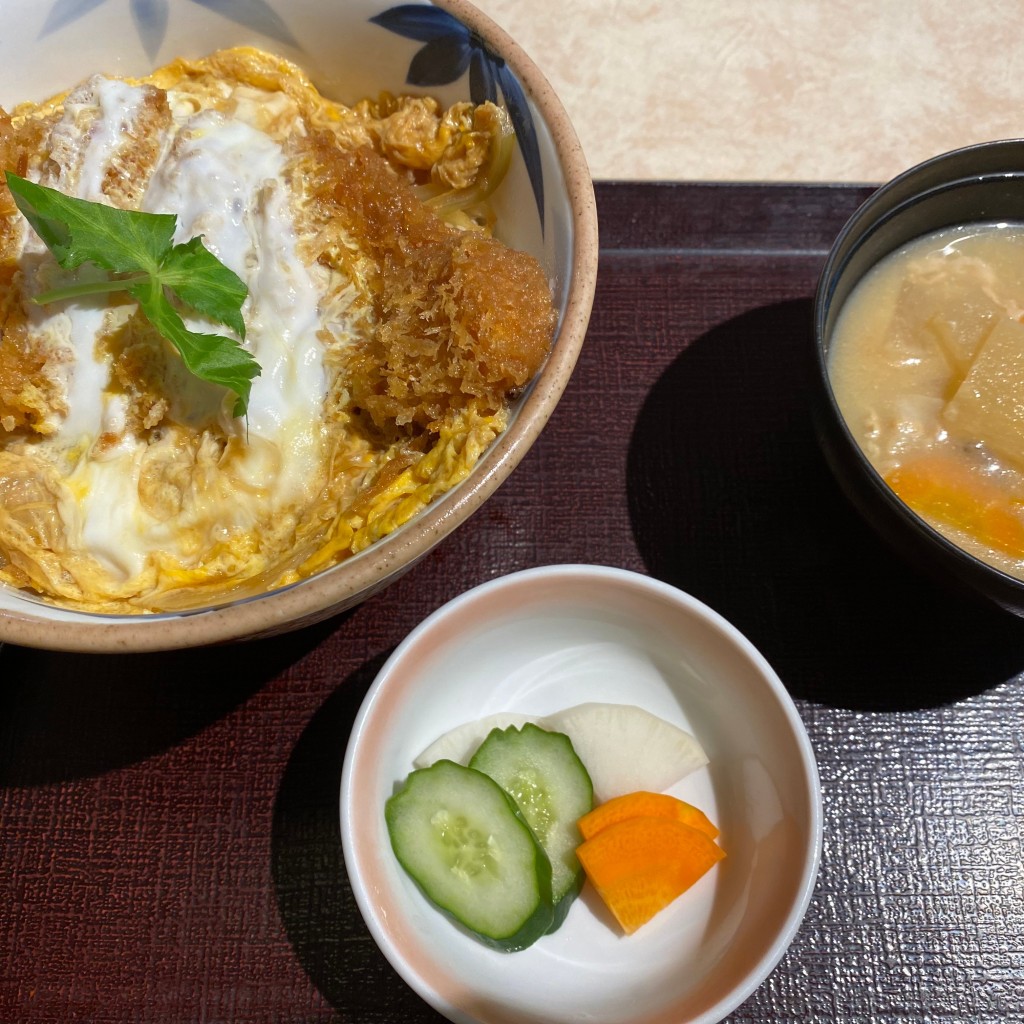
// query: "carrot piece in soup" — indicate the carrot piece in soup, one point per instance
point(946, 491)
point(640, 865)
point(646, 805)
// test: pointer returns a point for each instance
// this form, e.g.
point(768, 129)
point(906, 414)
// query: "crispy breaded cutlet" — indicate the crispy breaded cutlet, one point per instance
point(460, 318)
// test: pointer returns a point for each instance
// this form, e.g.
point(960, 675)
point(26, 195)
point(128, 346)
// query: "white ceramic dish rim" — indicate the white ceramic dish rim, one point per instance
point(35, 624)
point(608, 576)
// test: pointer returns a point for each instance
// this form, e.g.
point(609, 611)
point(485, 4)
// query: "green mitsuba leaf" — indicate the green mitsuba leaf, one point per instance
point(201, 281)
point(139, 248)
point(119, 240)
point(211, 357)
point(52, 230)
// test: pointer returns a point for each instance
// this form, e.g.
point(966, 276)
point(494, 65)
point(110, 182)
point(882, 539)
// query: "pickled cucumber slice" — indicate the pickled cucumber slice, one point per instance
point(462, 839)
point(552, 788)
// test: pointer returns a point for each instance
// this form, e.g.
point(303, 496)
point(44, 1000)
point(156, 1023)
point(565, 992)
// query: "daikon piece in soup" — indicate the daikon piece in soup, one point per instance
point(927, 367)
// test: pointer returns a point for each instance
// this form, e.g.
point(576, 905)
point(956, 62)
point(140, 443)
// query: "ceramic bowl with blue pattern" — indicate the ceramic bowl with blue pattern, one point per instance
point(351, 50)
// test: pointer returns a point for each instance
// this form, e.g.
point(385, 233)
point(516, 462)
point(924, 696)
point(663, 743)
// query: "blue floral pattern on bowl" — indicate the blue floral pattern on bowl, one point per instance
point(450, 50)
point(150, 18)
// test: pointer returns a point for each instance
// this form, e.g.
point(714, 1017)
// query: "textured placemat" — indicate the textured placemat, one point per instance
point(169, 846)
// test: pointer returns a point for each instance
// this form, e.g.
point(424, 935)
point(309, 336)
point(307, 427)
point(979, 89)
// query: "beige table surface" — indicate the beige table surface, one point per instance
point(775, 90)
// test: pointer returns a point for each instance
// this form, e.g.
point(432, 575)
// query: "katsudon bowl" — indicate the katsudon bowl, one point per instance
point(358, 50)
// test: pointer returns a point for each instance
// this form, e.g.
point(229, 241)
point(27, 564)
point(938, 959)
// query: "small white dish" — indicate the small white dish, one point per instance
point(548, 638)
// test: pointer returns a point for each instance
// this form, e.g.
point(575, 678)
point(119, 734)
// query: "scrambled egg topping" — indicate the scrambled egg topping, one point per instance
point(390, 326)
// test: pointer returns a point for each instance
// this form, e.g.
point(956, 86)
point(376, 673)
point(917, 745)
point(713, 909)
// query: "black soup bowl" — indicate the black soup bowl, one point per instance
point(982, 183)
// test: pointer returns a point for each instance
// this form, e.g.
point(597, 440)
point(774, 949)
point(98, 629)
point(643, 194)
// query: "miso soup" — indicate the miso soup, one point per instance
point(927, 366)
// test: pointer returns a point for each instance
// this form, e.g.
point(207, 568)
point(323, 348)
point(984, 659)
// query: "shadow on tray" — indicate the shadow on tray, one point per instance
point(732, 501)
point(67, 716)
point(315, 900)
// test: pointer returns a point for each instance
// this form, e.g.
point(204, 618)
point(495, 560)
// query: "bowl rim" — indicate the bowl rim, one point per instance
point(368, 897)
point(358, 578)
point(893, 198)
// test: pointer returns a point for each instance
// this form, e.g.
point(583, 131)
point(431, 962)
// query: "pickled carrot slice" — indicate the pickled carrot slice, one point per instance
point(646, 805)
point(640, 865)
